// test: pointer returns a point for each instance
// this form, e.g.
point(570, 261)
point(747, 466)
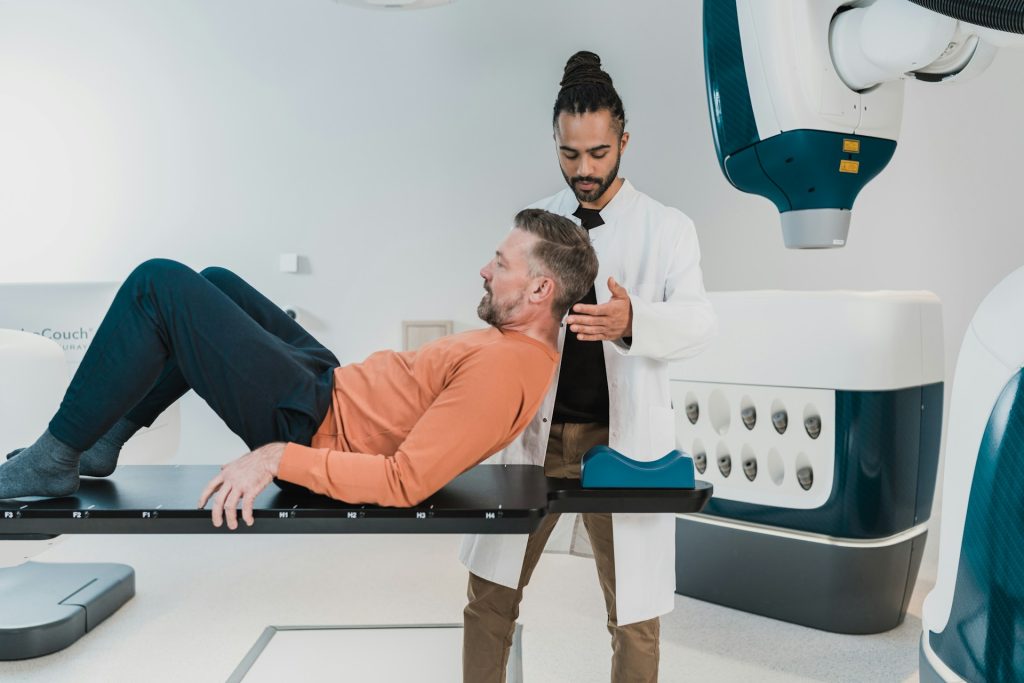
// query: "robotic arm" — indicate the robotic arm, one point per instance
point(806, 96)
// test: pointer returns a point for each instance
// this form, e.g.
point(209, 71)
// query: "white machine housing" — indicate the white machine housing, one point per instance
point(792, 80)
point(794, 350)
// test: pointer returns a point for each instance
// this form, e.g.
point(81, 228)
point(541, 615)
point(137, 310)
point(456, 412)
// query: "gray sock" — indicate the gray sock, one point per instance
point(101, 459)
point(46, 468)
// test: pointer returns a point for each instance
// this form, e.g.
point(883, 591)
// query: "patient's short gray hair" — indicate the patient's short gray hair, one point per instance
point(562, 252)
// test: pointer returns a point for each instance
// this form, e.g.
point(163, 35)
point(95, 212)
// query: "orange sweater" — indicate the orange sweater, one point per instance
point(402, 425)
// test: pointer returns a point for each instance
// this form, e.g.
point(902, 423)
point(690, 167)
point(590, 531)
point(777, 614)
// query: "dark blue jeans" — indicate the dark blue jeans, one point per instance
point(171, 329)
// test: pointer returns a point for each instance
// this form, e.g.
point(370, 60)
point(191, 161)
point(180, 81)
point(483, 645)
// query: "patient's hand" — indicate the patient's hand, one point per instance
point(242, 479)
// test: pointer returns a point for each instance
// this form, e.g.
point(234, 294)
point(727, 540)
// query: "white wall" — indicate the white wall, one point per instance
point(392, 149)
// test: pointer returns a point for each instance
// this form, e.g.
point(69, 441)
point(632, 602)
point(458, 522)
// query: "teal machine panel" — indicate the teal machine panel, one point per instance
point(984, 637)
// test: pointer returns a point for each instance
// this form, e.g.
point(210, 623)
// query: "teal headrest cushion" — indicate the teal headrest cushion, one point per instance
point(606, 468)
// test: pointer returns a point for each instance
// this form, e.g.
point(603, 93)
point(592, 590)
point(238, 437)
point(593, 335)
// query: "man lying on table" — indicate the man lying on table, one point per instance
point(391, 430)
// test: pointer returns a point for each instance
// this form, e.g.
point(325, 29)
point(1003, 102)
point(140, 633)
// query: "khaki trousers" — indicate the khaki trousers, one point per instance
point(492, 610)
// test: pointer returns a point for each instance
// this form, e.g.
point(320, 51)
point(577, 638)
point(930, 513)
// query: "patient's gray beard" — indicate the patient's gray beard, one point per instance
point(493, 313)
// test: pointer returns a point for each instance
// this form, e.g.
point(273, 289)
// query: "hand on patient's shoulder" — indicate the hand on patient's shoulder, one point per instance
point(242, 480)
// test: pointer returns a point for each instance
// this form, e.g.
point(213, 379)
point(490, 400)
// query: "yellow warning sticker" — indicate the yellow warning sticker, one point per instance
point(851, 146)
point(849, 166)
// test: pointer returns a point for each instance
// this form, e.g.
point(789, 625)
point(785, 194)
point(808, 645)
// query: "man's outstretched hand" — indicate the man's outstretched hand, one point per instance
point(606, 322)
point(242, 480)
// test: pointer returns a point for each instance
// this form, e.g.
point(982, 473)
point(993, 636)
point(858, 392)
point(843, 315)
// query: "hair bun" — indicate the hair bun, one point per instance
point(583, 68)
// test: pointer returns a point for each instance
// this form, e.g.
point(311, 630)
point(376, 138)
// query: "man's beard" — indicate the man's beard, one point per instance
point(602, 184)
point(496, 313)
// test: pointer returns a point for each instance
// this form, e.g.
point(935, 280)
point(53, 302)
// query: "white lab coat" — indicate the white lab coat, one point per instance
point(652, 251)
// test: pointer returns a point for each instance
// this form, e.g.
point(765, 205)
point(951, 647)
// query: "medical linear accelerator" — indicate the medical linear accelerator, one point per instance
point(805, 101)
point(821, 446)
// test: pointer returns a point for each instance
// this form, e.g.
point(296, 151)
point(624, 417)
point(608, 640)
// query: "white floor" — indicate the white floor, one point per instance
point(203, 601)
point(430, 654)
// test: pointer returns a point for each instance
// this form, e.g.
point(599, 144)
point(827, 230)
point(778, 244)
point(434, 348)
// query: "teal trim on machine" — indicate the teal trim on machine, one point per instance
point(732, 116)
point(981, 640)
point(800, 169)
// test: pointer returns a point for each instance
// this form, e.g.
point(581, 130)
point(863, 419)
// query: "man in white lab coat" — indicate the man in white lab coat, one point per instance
point(647, 307)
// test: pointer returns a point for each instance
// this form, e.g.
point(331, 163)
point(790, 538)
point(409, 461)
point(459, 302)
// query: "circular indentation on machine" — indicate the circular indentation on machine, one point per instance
point(804, 472)
point(812, 421)
point(776, 468)
point(724, 459)
point(749, 462)
point(700, 456)
point(780, 416)
point(692, 408)
point(718, 411)
point(748, 413)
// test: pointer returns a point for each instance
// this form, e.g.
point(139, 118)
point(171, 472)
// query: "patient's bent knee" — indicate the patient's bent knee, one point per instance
point(160, 269)
point(219, 276)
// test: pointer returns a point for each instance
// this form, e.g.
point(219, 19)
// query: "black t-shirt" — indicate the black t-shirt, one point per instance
point(582, 394)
